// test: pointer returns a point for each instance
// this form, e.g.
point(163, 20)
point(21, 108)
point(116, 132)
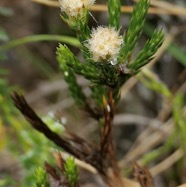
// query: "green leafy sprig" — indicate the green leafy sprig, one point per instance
point(74, 88)
point(71, 172)
point(65, 56)
point(134, 30)
point(146, 54)
point(114, 9)
point(41, 179)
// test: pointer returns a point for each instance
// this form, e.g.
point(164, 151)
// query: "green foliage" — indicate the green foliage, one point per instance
point(179, 119)
point(177, 53)
point(146, 54)
point(80, 26)
point(65, 56)
point(26, 145)
point(3, 35)
point(152, 82)
point(71, 172)
point(77, 23)
point(173, 49)
point(97, 94)
point(6, 109)
point(114, 9)
point(41, 179)
point(7, 181)
point(134, 30)
point(75, 90)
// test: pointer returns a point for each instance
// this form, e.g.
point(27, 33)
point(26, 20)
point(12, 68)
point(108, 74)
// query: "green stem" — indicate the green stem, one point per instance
point(41, 37)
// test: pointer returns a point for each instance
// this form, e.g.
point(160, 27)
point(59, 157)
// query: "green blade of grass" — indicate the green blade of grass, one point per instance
point(177, 53)
point(175, 50)
point(43, 37)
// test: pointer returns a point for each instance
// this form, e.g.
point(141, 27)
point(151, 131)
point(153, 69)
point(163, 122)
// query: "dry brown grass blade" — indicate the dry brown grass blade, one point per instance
point(167, 7)
point(59, 161)
point(167, 163)
point(175, 10)
point(151, 140)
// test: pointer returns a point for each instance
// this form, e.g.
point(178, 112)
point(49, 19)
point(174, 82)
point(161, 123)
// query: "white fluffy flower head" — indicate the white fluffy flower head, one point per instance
point(104, 44)
point(75, 7)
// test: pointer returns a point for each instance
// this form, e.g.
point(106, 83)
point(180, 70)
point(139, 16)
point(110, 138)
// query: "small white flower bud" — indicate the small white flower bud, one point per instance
point(104, 44)
point(75, 8)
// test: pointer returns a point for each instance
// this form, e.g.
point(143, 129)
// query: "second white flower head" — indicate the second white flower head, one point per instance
point(75, 7)
point(104, 44)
